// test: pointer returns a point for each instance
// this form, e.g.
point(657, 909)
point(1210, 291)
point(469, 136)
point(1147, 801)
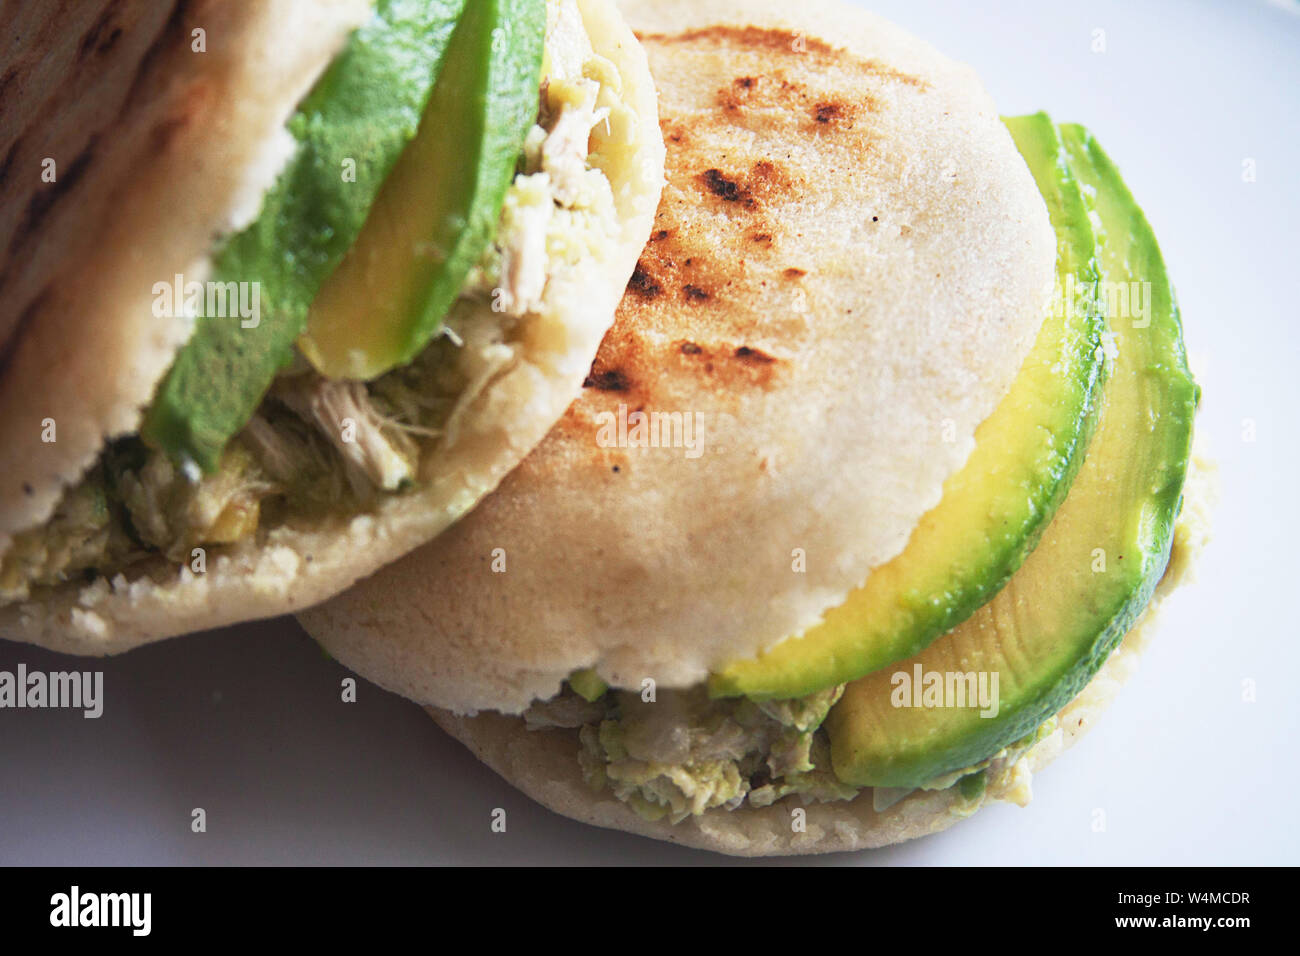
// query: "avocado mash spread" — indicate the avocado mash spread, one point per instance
point(684, 753)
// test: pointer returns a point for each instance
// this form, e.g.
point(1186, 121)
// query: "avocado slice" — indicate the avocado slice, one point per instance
point(1059, 617)
point(439, 209)
point(365, 108)
point(992, 510)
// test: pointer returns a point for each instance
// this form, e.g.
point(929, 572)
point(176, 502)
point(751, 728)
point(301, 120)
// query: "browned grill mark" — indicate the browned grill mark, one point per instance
point(825, 112)
point(765, 181)
point(173, 31)
point(727, 365)
point(765, 172)
point(741, 92)
point(672, 131)
point(840, 114)
point(793, 273)
point(8, 162)
point(43, 200)
point(727, 189)
point(608, 380)
point(786, 41)
point(144, 87)
point(887, 72)
point(25, 320)
point(737, 99)
point(95, 40)
point(747, 354)
point(643, 284)
point(671, 262)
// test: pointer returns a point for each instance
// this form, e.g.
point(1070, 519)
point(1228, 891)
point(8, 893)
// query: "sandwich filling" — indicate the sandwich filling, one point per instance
point(958, 709)
point(683, 754)
point(317, 445)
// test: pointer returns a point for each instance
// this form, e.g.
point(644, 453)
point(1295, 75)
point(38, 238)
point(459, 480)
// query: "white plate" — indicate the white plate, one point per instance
point(248, 723)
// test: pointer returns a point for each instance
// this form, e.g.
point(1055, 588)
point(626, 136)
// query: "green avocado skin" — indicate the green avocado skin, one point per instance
point(1058, 620)
point(1032, 477)
point(486, 100)
point(365, 108)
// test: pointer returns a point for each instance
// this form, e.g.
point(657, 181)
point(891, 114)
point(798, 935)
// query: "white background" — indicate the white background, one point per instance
point(247, 723)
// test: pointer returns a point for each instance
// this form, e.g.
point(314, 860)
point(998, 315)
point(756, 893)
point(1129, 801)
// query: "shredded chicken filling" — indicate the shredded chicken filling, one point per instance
point(317, 445)
point(684, 754)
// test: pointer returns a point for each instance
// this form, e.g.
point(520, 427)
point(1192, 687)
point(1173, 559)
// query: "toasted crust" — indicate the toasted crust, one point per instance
point(544, 764)
point(550, 353)
point(848, 266)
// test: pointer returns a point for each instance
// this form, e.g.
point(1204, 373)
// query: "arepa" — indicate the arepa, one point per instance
point(164, 150)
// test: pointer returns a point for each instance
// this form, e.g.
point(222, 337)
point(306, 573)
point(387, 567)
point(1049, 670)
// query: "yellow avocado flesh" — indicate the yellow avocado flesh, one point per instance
point(992, 510)
point(439, 206)
point(360, 315)
point(1056, 621)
